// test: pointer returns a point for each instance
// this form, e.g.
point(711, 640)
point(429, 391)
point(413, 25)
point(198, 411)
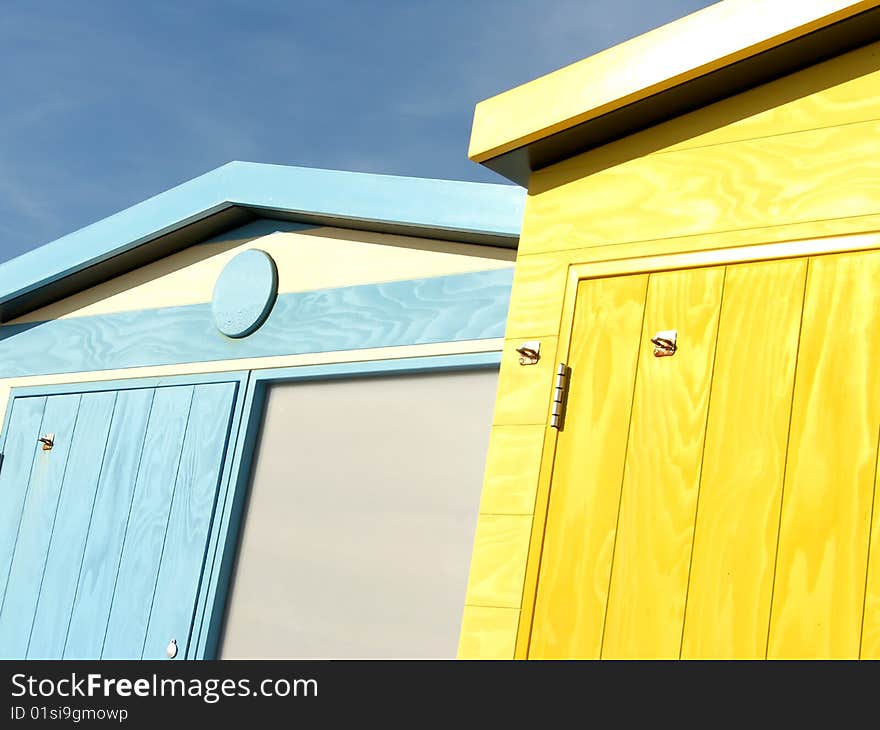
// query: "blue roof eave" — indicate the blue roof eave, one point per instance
point(349, 198)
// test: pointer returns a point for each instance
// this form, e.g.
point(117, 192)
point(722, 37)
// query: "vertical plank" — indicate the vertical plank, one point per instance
point(869, 647)
point(35, 530)
point(201, 463)
point(731, 578)
point(19, 455)
point(588, 470)
point(71, 526)
point(819, 588)
point(662, 470)
point(147, 524)
point(96, 574)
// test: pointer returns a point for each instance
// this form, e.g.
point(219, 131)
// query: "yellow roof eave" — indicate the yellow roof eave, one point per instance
point(701, 43)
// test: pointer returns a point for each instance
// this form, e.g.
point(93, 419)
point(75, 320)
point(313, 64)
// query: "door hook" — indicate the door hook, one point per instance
point(530, 352)
point(665, 343)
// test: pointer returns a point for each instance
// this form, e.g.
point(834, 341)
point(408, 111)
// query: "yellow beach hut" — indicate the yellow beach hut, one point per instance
point(690, 468)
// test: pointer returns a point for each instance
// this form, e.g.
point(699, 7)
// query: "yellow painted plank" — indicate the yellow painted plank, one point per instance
point(615, 195)
point(487, 632)
point(498, 561)
point(826, 509)
point(715, 37)
point(658, 505)
point(734, 551)
point(811, 238)
point(536, 297)
point(870, 639)
point(833, 93)
point(585, 491)
point(524, 390)
point(359, 257)
point(512, 466)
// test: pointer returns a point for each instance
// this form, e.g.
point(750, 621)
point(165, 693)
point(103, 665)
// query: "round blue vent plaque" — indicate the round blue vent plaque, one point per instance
point(244, 293)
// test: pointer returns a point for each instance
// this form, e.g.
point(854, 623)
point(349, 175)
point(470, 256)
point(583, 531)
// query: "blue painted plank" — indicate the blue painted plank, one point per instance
point(71, 526)
point(19, 455)
point(96, 575)
point(147, 524)
point(438, 309)
point(122, 384)
point(195, 495)
point(346, 198)
point(223, 541)
point(35, 529)
point(411, 365)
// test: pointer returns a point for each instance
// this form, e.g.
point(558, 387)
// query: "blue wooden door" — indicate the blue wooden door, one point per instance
point(103, 537)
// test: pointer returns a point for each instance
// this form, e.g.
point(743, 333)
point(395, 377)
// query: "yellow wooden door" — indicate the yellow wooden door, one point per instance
point(718, 502)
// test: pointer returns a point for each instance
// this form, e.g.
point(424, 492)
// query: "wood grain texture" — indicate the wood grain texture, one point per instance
point(836, 92)
point(731, 578)
point(74, 514)
point(612, 196)
point(585, 492)
point(441, 309)
point(19, 456)
point(822, 558)
point(147, 524)
point(524, 390)
point(97, 571)
point(498, 561)
point(487, 632)
point(35, 529)
point(195, 493)
point(658, 505)
point(816, 238)
point(536, 296)
point(512, 466)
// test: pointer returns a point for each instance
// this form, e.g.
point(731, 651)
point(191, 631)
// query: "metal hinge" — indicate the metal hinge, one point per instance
point(560, 395)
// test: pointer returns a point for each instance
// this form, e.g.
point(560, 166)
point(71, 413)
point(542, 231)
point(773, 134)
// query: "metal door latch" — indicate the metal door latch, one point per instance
point(665, 343)
point(48, 441)
point(530, 352)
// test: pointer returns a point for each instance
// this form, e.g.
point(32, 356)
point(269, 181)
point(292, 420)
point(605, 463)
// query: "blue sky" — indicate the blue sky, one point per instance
point(106, 103)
